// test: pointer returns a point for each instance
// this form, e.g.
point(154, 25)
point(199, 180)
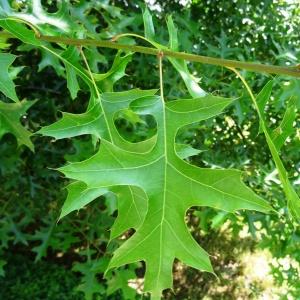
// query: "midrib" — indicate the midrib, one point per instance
point(165, 154)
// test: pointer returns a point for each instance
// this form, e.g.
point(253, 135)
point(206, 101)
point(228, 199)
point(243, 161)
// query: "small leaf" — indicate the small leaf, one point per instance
point(173, 39)
point(285, 129)
point(72, 83)
point(262, 99)
point(116, 72)
point(10, 114)
point(184, 151)
point(148, 25)
point(180, 65)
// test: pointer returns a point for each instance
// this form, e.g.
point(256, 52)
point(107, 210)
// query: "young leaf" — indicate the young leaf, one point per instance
point(117, 71)
point(7, 87)
point(148, 25)
point(72, 83)
point(180, 65)
point(10, 114)
point(285, 129)
point(171, 189)
point(293, 200)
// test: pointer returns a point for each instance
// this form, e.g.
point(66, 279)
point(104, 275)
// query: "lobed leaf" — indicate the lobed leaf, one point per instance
point(10, 114)
point(171, 186)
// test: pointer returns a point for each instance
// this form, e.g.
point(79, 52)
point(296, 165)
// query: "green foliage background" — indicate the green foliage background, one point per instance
point(41, 259)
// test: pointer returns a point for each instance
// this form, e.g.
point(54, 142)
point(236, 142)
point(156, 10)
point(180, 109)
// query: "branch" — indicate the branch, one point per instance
point(291, 71)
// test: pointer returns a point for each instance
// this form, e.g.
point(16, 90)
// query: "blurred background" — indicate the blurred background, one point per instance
point(256, 256)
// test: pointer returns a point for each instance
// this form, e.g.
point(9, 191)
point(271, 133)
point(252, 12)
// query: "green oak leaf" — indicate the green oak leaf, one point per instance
point(93, 122)
point(154, 185)
point(10, 114)
point(171, 185)
point(7, 87)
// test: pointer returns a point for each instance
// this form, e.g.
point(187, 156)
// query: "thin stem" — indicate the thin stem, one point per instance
point(291, 71)
point(89, 71)
point(96, 90)
point(161, 84)
point(117, 37)
point(248, 90)
point(32, 26)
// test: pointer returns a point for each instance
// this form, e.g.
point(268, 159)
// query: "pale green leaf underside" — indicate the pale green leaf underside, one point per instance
point(170, 186)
